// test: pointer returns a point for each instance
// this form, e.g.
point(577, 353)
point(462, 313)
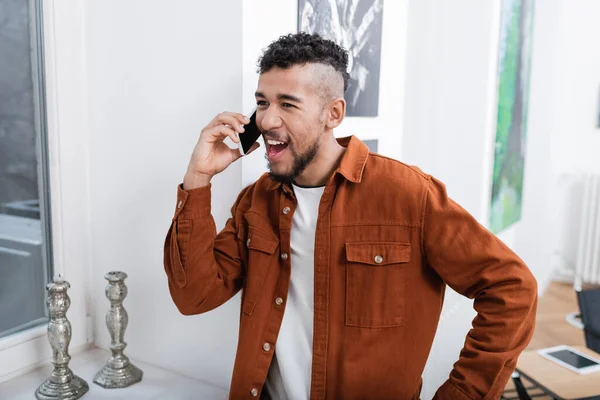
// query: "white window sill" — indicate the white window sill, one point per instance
point(157, 383)
point(24, 336)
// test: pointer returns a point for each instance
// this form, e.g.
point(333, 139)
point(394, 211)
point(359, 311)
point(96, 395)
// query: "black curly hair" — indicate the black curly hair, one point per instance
point(302, 48)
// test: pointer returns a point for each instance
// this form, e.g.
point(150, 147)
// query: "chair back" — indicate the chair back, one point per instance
point(589, 305)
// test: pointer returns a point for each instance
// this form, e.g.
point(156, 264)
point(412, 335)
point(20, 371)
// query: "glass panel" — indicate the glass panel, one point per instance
point(25, 241)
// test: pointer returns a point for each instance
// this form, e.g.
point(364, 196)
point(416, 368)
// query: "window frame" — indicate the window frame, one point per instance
point(60, 26)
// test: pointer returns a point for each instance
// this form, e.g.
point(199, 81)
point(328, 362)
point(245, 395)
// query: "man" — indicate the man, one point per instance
point(342, 256)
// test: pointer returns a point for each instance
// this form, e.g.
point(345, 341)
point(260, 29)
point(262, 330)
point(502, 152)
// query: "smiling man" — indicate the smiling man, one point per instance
point(342, 255)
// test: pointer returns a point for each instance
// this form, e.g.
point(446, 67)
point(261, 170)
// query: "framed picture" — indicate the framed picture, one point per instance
point(356, 26)
point(514, 62)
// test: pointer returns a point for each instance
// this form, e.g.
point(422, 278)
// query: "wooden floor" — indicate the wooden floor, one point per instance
point(552, 329)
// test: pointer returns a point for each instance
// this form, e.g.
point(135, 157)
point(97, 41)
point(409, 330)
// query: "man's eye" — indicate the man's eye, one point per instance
point(287, 105)
point(261, 103)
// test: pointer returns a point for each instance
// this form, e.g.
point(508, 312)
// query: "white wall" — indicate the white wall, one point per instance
point(448, 117)
point(266, 20)
point(157, 73)
point(574, 95)
point(575, 132)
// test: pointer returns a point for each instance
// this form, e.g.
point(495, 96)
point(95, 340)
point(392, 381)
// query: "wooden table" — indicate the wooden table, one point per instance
point(558, 381)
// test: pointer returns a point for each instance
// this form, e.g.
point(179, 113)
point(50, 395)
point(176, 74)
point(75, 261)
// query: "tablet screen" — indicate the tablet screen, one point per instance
point(573, 359)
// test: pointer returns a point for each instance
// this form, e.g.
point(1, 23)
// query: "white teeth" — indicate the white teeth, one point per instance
point(274, 142)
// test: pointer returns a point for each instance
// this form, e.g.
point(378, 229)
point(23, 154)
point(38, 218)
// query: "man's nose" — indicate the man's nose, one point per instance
point(271, 120)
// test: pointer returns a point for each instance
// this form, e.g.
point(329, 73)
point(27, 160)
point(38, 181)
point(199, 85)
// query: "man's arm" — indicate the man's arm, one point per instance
point(204, 269)
point(475, 263)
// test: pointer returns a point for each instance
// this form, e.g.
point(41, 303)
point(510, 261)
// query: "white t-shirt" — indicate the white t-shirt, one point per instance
point(290, 372)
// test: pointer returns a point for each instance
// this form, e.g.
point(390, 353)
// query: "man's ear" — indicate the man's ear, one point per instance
point(337, 112)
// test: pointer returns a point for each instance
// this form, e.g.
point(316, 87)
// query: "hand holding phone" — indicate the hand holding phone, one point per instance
point(211, 155)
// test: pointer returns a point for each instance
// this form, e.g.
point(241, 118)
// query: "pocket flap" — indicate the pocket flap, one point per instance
point(261, 241)
point(378, 253)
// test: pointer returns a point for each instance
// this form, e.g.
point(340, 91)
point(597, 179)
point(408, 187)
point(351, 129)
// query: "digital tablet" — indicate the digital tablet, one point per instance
point(572, 359)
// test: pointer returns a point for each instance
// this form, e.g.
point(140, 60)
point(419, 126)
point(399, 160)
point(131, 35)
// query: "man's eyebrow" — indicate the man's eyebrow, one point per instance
point(281, 96)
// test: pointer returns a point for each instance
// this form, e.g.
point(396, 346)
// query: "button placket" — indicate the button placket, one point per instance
point(286, 211)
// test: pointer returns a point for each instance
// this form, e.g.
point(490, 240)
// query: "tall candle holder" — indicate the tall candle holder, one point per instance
point(62, 383)
point(118, 372)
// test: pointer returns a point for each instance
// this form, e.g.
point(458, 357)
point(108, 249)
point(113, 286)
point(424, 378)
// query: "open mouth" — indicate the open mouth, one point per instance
point(275, 148)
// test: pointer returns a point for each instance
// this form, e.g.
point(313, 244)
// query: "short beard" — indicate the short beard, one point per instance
point(300, 163)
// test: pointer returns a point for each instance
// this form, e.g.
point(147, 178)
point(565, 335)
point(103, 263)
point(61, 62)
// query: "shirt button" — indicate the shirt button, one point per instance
point(378, 259)
point(284, 256)
point(254, 392)
point(248, 242)
point(286, 210)
point(266, 346)
point(180, 204)
point(279, 301)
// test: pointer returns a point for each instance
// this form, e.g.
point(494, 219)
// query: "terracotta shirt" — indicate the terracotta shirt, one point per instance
point(388, 241)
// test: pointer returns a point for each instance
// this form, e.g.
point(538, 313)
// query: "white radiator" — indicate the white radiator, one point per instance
point(587, 265)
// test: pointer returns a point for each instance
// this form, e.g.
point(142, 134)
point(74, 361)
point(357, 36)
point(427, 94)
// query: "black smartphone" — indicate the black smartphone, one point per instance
point(250, 135)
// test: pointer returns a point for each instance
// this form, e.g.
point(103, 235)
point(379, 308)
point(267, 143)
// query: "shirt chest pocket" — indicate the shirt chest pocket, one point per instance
point(376, 283)
point(261, 248)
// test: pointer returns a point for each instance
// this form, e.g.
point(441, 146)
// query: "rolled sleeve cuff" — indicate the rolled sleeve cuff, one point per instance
point(194, 203)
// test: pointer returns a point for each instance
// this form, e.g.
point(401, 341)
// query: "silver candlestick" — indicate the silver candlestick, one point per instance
point(62, 384)
point(118, 372)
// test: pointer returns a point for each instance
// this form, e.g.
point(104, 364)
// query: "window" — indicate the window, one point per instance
point(25, 235)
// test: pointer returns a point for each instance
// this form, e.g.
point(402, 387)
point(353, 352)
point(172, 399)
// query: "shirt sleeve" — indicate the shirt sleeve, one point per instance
point(476, 264)
point(204, 269)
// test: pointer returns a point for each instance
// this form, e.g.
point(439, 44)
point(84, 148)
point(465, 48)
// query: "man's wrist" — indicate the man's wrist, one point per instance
point(194, 180)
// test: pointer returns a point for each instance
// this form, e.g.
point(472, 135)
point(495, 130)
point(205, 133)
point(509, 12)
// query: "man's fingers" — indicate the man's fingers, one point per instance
point(233, 123)
point(220, 132)
point(235, 120)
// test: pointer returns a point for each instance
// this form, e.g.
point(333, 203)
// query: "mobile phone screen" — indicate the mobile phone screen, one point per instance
point(250, 135)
